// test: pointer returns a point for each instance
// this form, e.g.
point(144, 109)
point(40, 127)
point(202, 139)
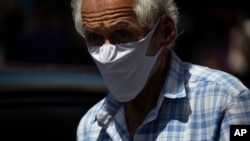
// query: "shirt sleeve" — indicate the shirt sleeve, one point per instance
point(237, 112)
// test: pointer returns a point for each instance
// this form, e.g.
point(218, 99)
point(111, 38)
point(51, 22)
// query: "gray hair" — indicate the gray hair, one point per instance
point(147, 12)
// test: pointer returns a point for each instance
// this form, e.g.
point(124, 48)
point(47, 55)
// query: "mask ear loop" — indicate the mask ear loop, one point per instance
point(152, 31)
point(151, 51)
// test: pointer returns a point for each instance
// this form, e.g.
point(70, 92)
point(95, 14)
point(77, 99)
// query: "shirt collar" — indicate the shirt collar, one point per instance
point(108, 108)
point(174, 86)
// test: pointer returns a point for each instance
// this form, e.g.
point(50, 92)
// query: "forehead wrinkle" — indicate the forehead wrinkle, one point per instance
point(108, 14)
point(110, 21)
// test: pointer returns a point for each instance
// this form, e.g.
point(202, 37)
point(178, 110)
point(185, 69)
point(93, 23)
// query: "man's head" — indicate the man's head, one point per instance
point(129, 40)
point(140, 14)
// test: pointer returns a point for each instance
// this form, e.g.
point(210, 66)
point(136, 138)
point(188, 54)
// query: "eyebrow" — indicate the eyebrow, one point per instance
point(120, 24)
point(117, 25)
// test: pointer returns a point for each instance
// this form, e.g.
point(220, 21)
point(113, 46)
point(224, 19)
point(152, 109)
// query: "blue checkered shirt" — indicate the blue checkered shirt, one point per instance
point(196, 104)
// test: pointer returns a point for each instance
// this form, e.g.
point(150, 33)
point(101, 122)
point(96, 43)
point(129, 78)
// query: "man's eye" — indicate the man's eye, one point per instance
point(123, 33)
point(94, 37)
point(121, 36)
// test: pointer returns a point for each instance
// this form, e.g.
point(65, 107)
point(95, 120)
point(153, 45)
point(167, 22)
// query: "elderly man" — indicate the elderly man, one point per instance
point(153, 95)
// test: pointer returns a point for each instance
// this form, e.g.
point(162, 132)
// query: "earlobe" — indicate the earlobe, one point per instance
point(164, 35)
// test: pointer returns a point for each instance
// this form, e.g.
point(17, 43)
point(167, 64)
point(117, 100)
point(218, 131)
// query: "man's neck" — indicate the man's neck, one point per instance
point(137, 109)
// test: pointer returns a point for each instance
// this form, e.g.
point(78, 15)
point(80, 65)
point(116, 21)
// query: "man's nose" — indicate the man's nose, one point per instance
point(107, 41)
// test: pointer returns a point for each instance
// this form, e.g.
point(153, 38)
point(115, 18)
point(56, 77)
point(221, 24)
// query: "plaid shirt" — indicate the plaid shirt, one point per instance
point(196, 104)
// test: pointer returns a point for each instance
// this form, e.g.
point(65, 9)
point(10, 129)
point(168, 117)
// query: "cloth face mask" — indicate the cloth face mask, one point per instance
point(125, 68)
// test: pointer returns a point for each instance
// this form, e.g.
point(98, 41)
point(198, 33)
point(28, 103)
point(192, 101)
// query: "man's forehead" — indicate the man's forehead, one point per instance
point(102, 5)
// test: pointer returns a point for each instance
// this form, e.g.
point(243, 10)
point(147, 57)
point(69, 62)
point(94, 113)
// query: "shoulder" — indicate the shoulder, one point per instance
point(88, 121)
point(89, 116)
point(218, 90)
point(208, 77)
point(218, 87)
point(207, 83)
point(93, 122)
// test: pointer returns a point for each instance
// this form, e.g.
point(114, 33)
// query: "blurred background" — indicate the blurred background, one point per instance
point(41, 33)
point(216, 33)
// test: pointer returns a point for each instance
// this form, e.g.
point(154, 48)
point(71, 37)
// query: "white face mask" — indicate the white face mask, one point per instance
point(125, 67)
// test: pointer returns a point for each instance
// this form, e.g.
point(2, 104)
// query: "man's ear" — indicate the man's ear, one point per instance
point(164, 35)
